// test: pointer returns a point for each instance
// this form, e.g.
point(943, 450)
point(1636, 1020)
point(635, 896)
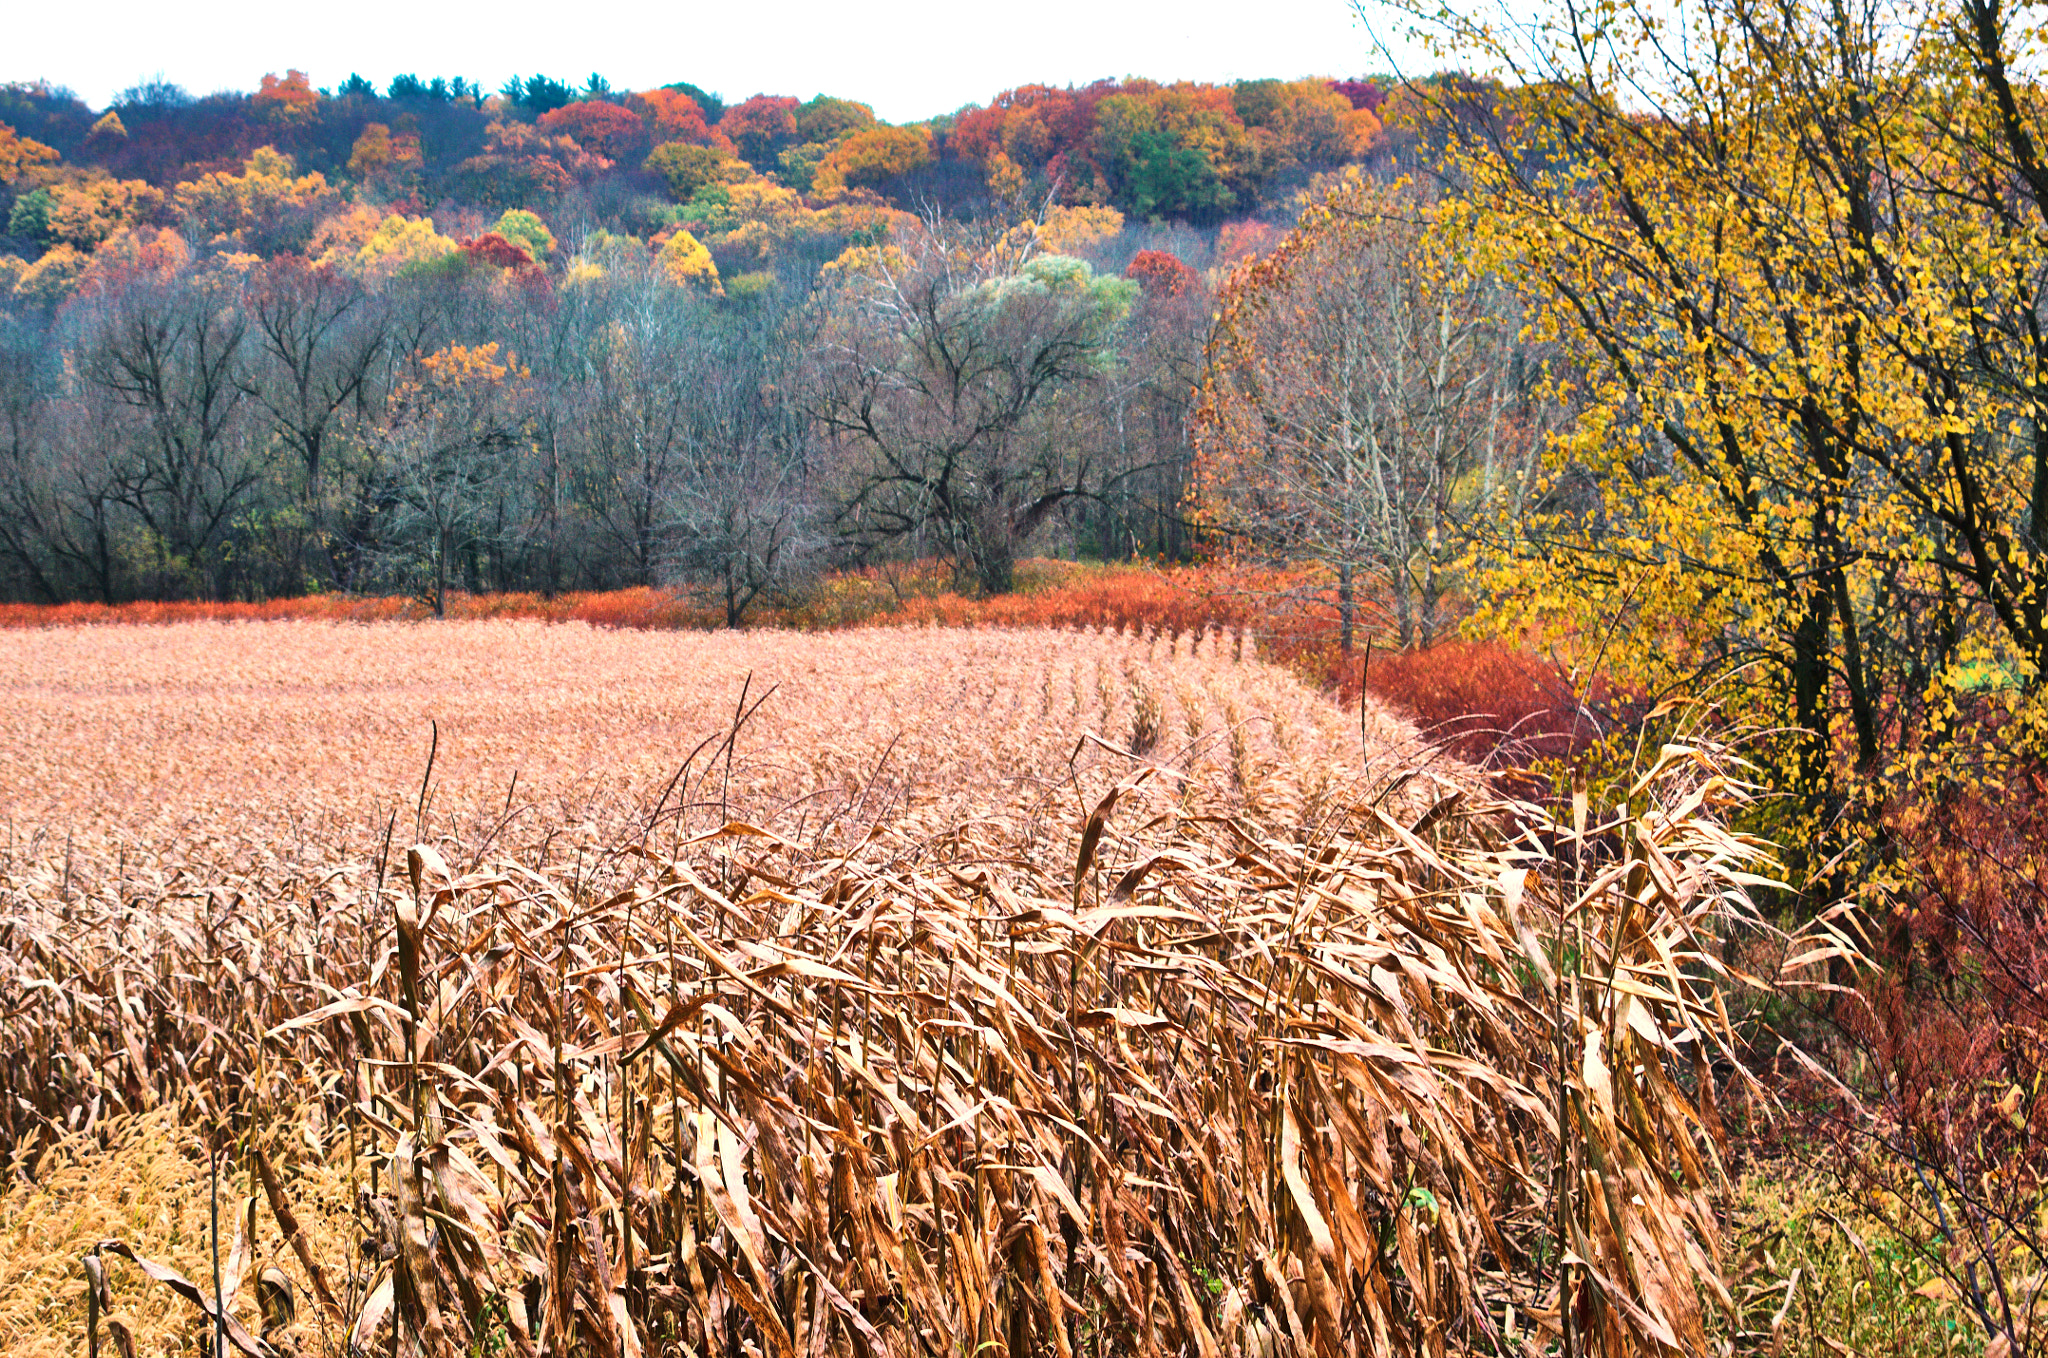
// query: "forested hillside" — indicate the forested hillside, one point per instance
point(556, 337)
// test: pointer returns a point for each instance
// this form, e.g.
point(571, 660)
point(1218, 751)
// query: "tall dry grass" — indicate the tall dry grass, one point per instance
point(1080, 1049)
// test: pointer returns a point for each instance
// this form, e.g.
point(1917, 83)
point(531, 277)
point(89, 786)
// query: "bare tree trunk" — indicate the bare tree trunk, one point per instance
point(441, 574)
point(1346, 606)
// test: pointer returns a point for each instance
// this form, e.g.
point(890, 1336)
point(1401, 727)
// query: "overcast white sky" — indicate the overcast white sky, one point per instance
point(910, 59)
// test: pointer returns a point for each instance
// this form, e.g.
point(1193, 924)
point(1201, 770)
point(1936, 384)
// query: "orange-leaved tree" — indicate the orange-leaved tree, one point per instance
point(601, 127)
point(672, 115)
point(871, 156)
point(18, 153)
point(290, 99)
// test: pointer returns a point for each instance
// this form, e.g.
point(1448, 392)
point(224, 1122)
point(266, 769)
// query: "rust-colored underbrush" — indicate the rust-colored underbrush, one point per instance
point(1934, 1106)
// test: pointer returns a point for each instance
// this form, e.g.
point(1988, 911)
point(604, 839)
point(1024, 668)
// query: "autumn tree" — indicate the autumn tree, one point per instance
point(601, 127)
point(399, 245)
point(939, 356)
point(826, 119)
point(1077, 231)
point(523, 165)
point(687, 168)
point(1794, 250)
point(872, 156)
point(107, 130)
point(50, 281)
point(1355, 404)
point(686, 262)
point(1299, 125)
point(761, 128)
point(673, 116)
point(1804, 291)
point(289, 101)
point(1160, 274)
point(18, 153)
point(82, 208)
point(268, 207)
point(133, 253)
point(380, 153)
point(712, 106)
point(1367, 94)
point(527, 231)
point(1038, 127)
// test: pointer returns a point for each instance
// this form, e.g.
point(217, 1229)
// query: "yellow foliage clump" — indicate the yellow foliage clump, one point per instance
point(336, 239)
point(1068, 230)
point(686, 260)
point(870, 156)
point(88, 210)
point(581, 272)
point(222, 205)
point(53, 278)
point(400, 243)
point(379, 152)
point(459, 364)
point(858, 261)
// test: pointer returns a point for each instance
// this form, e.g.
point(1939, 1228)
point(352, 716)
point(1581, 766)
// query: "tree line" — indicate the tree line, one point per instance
point(650, 338)
point(194, 430)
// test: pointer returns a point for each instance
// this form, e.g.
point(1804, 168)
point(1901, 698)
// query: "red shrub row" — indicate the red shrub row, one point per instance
point(1494, 705)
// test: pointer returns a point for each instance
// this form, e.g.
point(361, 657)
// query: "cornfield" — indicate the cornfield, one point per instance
point(880, 993)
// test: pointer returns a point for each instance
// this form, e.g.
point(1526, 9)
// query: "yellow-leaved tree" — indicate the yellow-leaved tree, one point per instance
point(18, 153)
point(266, 208)
point(870, 156)
point(1791, 253)
point(685, 260)
point(401, 244)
